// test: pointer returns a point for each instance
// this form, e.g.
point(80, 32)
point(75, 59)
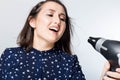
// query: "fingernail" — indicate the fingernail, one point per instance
point(117, 69)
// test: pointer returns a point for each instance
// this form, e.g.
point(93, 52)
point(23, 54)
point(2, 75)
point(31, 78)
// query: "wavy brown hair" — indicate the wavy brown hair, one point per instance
point(25, 38)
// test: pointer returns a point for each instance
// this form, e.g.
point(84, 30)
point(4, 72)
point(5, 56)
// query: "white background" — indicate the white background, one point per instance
point(97, 18)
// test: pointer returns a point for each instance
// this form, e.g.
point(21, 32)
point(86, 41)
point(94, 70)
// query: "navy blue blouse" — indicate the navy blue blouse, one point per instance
point(53, 64)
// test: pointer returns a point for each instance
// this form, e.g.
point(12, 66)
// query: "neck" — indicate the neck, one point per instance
point(42, 45)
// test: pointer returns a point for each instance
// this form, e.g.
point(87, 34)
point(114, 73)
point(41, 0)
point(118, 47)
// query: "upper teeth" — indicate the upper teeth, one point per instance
point(53, 28)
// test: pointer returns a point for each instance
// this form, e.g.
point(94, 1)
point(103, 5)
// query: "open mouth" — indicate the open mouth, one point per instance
point(54, 29)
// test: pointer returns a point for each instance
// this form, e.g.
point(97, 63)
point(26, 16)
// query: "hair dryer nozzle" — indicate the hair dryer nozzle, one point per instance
point(93, 40)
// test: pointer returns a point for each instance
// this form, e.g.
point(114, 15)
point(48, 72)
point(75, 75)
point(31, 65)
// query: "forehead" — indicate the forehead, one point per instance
point(53, 5)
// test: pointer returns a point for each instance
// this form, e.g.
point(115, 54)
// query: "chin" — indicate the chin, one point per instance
point(53, 40)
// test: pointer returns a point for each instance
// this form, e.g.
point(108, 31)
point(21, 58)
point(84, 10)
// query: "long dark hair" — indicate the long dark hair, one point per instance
point(25, 38)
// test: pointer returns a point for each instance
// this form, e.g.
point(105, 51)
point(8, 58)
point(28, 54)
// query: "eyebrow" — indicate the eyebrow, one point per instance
point(54, 11)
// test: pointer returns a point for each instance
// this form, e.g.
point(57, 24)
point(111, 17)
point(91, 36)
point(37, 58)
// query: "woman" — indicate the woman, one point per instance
point(44, 47)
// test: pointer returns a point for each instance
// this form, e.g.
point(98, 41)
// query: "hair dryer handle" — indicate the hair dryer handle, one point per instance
point(115, 64)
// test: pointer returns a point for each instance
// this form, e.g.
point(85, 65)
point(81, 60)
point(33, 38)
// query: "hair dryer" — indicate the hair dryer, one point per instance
point(110, 49)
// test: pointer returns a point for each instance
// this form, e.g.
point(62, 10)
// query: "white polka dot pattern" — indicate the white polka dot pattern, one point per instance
point(53, 64)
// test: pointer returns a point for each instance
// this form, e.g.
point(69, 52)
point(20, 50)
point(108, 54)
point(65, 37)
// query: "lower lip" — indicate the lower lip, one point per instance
point(54, 32)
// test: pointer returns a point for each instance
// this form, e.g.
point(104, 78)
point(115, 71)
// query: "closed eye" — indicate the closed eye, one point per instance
point(50, 15)
point(62, 19)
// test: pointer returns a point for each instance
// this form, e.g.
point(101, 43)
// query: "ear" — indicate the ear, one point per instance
point(32, 22)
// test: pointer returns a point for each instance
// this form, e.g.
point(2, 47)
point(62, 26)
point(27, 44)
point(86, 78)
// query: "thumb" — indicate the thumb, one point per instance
point(106, 67)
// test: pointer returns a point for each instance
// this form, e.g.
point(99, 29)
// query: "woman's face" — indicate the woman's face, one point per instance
point(49, 25)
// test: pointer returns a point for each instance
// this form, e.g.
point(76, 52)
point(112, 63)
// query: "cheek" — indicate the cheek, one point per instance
point(42, 26)
point(43, 21)
point(64, 27)
point(62, 30)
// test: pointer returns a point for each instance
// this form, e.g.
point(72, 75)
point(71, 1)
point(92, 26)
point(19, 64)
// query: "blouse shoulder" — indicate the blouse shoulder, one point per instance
point(12, 49)
point(9, 51)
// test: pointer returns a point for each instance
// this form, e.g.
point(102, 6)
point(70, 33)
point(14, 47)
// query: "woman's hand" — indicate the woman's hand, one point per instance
point(109, 75)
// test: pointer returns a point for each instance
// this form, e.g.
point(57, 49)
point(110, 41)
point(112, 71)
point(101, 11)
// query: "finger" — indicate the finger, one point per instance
point(108, 78)
point(115, 75)
point(118, 70)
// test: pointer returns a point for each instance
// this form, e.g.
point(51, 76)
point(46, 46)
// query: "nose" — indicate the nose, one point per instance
point(56, 20)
